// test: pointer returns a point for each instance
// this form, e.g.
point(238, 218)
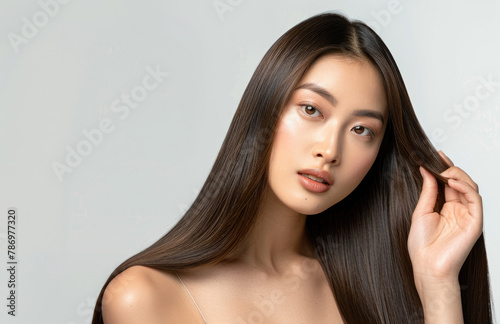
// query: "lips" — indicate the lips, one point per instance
point(319, 174)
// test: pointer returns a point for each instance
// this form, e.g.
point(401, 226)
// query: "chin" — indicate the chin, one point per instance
point(309, 208)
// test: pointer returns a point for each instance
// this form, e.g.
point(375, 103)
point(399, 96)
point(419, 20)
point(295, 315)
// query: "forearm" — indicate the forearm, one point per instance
point(441, 302)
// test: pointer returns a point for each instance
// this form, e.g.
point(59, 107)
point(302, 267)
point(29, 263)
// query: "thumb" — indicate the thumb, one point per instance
point(427, 200)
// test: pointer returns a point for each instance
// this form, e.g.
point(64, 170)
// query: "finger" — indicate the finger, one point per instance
point(427, 199)
point(446, 159)
point(451, 194)
point(459, 174)
point(474, 200)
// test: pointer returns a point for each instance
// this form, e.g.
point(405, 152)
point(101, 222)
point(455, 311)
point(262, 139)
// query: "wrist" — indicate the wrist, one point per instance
point(441, 299)
point(427, 284)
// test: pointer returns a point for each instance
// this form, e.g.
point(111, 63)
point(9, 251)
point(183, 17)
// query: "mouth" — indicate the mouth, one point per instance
point(317, 175)
point(317, 179)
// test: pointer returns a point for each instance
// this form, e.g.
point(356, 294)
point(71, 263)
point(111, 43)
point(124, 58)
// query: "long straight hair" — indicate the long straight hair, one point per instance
point(360, 242)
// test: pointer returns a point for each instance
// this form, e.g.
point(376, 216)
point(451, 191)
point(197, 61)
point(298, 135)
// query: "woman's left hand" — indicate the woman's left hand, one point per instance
point(439, 243)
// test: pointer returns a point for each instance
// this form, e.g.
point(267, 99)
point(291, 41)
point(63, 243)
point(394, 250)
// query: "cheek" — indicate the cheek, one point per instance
point(361, 163)
point(287, 139)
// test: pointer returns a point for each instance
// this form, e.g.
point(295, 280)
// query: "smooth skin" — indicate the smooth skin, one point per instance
point(439, 243)
point(276, 279)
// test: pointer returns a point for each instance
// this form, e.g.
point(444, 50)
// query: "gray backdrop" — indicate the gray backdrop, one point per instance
point(112, 113)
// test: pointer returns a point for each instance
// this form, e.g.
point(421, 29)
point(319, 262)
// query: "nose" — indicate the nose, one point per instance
point(328, 148)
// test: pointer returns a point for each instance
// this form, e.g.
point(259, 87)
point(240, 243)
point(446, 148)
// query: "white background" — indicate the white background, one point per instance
point(135, 184)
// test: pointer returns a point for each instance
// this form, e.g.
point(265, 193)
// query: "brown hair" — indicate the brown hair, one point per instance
point(360, 242)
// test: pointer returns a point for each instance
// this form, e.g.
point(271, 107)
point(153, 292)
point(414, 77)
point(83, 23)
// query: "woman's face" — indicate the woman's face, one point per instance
point(334, 122)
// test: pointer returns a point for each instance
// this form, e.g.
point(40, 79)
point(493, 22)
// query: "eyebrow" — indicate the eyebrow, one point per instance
point(319, 90)
point(331, 99)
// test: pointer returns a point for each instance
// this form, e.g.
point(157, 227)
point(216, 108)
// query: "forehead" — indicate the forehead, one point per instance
point(352, 81)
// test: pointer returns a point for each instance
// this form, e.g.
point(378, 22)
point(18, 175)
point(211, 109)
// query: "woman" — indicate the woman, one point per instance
point(327, 203)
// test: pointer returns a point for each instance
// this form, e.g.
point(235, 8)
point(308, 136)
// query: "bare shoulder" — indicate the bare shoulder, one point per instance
point(143, 295)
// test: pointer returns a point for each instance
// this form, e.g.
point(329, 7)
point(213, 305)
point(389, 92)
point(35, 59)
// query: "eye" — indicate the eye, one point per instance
point(363, 131)
point(310, 110)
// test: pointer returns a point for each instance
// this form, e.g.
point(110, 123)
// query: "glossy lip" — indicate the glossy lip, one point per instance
point(311, 185)
point(318, 173)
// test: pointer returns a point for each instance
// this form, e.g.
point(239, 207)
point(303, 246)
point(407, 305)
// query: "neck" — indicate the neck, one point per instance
point(278, 241)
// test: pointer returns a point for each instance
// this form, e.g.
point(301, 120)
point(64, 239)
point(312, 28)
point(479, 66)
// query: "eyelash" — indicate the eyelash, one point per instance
point(372, 133)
